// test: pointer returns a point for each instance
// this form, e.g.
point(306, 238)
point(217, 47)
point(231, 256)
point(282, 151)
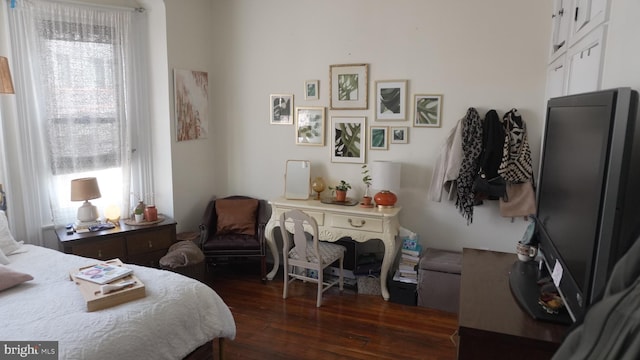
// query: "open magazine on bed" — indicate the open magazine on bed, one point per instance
point(103, 273)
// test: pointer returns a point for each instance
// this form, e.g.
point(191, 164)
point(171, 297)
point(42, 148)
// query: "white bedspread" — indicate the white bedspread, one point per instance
point(177, 315)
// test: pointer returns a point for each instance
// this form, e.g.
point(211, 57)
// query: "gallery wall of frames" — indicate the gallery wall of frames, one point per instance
point(351, 135)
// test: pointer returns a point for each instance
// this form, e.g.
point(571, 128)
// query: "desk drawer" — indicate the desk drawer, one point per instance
point(354, 222)
point(317, 215)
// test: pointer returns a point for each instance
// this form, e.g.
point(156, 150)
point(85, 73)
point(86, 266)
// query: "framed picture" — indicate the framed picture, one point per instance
point(281, 109)
point(348, 86)
point(399, 135)
point(391, 100)
point(191, 98)
point(378, 137)
point(310, 126)
point(427, 110)
point(348, 139)
point(311, 90)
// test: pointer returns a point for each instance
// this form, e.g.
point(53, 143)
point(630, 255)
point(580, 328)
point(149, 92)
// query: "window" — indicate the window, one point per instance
point(87, 108)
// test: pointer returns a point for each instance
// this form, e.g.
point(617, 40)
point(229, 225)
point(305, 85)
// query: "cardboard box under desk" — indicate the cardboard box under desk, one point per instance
point(96, 300)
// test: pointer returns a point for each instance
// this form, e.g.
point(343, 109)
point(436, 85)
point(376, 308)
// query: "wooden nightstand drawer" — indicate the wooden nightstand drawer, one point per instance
point(103, 250)
point(149, 241)
point(354, 222)
point(150, 259)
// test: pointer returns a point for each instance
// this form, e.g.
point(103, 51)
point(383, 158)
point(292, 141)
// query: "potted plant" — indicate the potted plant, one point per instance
point(366, 179)
point(341, 190)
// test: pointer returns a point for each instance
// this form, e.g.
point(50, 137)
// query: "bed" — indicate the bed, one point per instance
point(178, 318)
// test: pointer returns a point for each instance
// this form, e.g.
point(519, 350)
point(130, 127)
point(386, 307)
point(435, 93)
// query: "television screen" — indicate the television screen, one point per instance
point(571, 183)
point(587, 197)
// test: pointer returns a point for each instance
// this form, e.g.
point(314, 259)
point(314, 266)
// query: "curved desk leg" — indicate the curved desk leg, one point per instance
point(390, 251)
point(268, 234)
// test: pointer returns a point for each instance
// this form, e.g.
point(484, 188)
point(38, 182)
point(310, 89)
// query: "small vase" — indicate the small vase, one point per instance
point(341, 195)
point(318, 186)
point(139, 217)
point(151, 213)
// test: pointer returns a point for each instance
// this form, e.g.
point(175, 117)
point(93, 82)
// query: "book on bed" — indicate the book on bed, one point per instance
point(103, 273)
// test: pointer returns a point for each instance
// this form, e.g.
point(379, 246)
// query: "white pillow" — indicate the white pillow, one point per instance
point(7, 243)
point(4, 260)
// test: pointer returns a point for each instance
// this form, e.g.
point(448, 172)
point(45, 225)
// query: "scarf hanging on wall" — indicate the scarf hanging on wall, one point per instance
point(516, 156)
point(471, 149)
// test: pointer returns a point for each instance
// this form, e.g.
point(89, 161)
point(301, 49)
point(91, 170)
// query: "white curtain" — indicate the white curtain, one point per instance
point(82, 110)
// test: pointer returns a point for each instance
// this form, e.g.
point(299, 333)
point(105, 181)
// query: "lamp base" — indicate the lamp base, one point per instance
point(385, 199)
point(87, 212)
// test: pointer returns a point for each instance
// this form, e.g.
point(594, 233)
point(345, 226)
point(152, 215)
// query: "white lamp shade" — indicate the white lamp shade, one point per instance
point(385, 175)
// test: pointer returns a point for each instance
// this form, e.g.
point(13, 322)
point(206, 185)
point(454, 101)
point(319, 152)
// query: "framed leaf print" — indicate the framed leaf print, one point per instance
point(399, 135)
point(391, 100)
point(427, 110)
point(311, 88)
point(310, 126)
point(281, 109)
point(378, 137)
point(349, 86)
point(348, 139)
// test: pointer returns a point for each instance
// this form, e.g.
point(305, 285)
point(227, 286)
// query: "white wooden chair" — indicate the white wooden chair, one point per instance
point(307, 253)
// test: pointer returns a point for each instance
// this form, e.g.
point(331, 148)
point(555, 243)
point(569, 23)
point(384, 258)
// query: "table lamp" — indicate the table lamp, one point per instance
point(385, 177)
point(85, 189)
point(6, 86)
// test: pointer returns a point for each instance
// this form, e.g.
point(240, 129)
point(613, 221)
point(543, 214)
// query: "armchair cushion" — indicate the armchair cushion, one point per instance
point(236, 216)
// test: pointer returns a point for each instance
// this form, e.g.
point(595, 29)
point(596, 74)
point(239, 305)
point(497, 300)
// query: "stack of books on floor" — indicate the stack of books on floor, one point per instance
point(408, 269)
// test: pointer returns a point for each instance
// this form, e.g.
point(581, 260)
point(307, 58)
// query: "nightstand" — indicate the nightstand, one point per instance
point(141, 245)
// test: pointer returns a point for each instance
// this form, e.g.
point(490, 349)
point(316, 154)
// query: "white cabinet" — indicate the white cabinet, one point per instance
point(577, 46)
point(561, 19)
point(585, 63)
point(587, 16)
point(555, 78)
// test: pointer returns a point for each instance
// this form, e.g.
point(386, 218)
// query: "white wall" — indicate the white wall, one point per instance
point(489, 54)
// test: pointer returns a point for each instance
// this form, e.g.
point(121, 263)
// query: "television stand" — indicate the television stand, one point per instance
point(523, 281)
point(491, 324)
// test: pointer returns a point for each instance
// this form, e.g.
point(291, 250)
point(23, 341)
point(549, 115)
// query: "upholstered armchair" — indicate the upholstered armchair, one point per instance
point(234, 227)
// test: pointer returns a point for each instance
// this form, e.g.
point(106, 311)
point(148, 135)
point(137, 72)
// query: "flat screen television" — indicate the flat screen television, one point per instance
point(588, 190)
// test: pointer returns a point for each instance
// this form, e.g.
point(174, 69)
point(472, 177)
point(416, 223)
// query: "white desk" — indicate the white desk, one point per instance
point(337, 221)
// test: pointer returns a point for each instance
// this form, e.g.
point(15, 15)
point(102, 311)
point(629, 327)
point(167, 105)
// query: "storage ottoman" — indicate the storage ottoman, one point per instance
point(439, 280)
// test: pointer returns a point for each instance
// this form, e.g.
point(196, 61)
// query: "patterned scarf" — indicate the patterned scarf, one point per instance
point(471, 149)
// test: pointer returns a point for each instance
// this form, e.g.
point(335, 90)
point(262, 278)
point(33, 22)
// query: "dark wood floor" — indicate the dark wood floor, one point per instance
point(347, 326)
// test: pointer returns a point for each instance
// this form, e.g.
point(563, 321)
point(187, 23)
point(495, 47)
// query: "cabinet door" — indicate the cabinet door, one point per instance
point(587, 16)
point(585, 64)
point(582, 14)
point(561, 19)
point(555, 78)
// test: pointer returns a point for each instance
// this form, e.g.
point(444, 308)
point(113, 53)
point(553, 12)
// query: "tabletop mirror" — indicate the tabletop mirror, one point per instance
point(297, 179)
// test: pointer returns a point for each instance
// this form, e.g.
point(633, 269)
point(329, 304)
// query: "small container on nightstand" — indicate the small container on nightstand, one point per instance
point(151, 213)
